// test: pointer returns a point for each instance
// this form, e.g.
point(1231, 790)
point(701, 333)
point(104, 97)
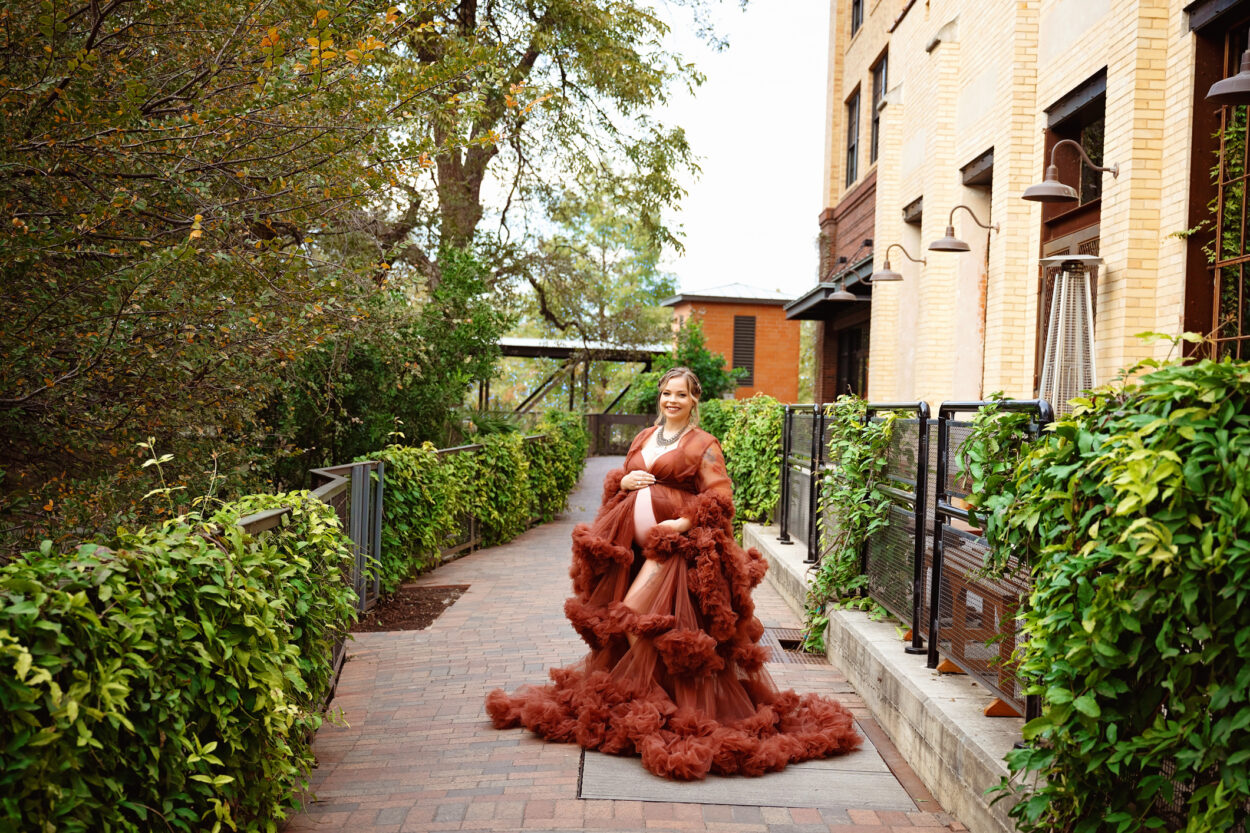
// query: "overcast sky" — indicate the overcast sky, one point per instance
point(758, 126)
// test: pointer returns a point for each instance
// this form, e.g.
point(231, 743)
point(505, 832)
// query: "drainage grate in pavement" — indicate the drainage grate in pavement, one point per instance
point(784, 644)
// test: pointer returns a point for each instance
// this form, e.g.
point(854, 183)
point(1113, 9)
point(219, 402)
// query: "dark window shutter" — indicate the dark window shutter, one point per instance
point(744, 348)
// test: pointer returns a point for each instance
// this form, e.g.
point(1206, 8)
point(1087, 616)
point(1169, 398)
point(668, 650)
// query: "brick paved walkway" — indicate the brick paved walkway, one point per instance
point(417, 752)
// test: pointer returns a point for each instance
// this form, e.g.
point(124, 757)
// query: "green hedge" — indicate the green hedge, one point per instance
point(1133, 517)
point(506, 483)
point(749, 431)
point(753, 457)
point(172, 683)
point(556, 462)
point(715, 416)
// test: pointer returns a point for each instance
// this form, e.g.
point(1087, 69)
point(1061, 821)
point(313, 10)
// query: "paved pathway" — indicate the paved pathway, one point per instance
point(416, 751)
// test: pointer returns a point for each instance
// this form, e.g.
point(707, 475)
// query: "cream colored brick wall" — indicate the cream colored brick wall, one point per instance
point(850, 65)
point(969, 75)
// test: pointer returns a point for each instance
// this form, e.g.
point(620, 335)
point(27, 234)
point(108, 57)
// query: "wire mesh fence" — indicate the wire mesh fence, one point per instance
point(927, 550)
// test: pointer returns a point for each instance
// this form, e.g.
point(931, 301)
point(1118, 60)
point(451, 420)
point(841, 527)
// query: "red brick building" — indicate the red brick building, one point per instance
point(747, 325)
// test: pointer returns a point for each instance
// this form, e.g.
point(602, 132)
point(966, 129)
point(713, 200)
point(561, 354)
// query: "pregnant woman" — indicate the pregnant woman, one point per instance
point(663, 598)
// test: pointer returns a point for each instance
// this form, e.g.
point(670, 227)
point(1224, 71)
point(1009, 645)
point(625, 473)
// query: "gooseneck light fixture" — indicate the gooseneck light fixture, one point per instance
point(1234, 90)
point(840, 270)
point(841, 294)
point(1051, 189)
point(949, 242)
point(885, 274)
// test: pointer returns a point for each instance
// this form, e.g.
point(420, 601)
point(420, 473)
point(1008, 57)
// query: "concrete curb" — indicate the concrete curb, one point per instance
point(935, 720)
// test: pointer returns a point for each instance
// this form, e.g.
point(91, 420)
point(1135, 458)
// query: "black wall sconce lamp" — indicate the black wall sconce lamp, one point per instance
point(1051, 189)
point(951, 243)
point(885, 274)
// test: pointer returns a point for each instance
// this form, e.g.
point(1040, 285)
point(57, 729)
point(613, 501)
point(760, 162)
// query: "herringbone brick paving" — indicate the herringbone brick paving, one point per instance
point(414, 750)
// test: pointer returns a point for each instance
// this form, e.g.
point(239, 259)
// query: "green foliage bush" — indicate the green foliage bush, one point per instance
point(505, 483)
point(857, 453)
point(715, 415)
point(1133, 516)
point(556, 462)
point(173, 683)
point(501, 488)
point(752, 445)
point(423, 499)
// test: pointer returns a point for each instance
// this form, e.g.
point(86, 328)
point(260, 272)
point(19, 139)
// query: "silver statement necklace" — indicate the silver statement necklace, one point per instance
point(664, 442)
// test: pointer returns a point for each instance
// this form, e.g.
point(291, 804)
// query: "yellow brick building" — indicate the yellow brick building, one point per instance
point(939, 103)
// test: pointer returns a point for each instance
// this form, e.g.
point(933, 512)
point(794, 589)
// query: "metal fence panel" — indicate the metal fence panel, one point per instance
point(889, 563)
point(974, 624)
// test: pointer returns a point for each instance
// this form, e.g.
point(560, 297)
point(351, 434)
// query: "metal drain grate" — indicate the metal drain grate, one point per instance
point(783, 644)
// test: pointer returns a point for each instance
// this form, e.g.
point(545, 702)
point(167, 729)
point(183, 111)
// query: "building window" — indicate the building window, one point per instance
point(852, 361)
point(1231, 327)
point(744, 348)
point(878, 95)
point(1079, 116)
point(857, 15)
point(852, 138)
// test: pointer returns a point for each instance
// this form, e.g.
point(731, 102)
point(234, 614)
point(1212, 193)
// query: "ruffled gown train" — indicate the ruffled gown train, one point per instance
point(678, 676)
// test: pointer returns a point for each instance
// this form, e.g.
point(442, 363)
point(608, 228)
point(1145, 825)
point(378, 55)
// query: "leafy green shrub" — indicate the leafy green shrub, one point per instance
point(1133, 516)
point(857, 451)
point(196, 660)
point(752, 448)
point(555, 462)
point(501, 494)
point(505, 483)
point(423, 498)
point(715, 415)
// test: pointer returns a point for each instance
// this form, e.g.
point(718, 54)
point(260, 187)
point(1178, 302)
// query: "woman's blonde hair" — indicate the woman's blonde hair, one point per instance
point(692, 384)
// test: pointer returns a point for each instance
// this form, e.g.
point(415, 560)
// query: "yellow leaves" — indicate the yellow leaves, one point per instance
point(196, 227)
point(392, 15)
point(47, 507)
point(371, 44)
point(271, 40)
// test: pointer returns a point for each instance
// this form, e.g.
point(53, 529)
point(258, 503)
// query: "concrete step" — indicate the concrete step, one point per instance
point(936, 720)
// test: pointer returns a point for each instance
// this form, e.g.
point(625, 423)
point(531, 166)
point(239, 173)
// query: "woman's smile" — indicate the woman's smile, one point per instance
point(676, 402)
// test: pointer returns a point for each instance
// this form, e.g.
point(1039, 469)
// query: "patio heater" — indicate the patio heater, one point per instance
point(1068, 365)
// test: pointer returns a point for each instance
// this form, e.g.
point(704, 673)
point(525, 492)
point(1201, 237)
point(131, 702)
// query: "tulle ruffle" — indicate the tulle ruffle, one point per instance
point(680, 680)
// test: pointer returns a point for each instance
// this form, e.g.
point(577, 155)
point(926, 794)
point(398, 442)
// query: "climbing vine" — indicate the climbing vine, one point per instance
point(857, 453)
point(986, 463)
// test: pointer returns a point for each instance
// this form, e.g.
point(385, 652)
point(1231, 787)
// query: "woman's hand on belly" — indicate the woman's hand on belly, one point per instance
point(637, 479)
point(677, 524)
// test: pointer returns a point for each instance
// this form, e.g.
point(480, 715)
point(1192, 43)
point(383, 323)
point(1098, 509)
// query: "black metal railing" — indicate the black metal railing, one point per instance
point(893, 557)
point(925, 566)
point(973, 616)
point(611, 434)
point(802, 455)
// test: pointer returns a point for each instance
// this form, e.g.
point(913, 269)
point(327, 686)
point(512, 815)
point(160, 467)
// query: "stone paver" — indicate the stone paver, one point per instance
point(414, 751)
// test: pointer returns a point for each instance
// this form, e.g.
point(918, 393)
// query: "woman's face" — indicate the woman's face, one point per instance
point(676, 403)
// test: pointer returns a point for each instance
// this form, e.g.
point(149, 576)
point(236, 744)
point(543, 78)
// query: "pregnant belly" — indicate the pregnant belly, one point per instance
point(644, 516)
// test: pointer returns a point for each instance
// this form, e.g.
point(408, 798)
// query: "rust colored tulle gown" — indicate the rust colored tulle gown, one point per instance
point(691, 694)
